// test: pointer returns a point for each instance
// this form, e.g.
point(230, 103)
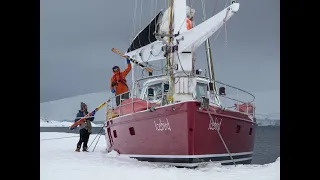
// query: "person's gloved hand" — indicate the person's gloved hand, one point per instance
point(113, 91)
point(128, 61)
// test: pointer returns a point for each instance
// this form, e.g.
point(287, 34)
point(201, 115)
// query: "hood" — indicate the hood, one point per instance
point(115, 67)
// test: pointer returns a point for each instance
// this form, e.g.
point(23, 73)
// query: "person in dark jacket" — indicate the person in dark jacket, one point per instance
point(85, 127)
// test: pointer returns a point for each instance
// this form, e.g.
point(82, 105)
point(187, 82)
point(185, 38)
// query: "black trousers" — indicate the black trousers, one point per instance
point(123, 96)
point(84, 138)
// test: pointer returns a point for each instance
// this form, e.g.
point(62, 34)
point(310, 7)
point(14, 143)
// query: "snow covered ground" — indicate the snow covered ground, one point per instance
point(58, 160)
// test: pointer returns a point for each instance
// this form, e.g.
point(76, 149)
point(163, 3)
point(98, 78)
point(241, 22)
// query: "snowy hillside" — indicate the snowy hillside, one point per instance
point(65, 110)
point(268, 103)
point(268, 108)
point(272, 119)
point(52, 123)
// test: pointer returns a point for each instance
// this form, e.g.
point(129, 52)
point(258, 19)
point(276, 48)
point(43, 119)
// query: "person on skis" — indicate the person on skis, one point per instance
point(118, 83)
point(85, 127)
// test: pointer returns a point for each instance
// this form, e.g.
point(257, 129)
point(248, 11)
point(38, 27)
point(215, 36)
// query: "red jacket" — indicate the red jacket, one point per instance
point(119, 78)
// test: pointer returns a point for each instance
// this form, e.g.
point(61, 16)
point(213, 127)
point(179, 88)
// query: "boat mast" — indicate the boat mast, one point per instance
point(170, 60)
point(209, 55)
point(208, 48)
point(133, 81)
point(133, 85)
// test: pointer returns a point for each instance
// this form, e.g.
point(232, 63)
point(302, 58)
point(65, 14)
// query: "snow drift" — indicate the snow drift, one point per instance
point(59, 161)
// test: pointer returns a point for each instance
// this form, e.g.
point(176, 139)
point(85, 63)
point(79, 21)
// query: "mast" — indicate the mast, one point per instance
point(208, 48)
point(183, 61)
point(209, 60)
point(169, 57)
point(211, 69)
point(133, 81)
point(133, 84)
point(189, 40)
point(178, 45)
point(209, 56)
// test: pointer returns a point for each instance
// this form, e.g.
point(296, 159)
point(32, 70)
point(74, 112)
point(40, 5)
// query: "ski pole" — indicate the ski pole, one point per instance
point(97, 142)
point(96, 136)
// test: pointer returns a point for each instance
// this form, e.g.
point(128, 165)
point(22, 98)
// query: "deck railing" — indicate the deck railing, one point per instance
point(230, 97)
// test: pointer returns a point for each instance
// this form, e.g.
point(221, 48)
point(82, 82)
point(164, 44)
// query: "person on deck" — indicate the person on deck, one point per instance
point(85, 127)
point(189, 19)
point(118, 82)
point(189, 23)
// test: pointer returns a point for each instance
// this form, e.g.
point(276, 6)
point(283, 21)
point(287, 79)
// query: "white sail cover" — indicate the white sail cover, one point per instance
point(189, 40)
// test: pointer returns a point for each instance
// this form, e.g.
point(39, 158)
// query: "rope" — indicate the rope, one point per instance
point(203, 10)
point(140, 20)
point(220, 28)
point(217, 128)
point(151, 9)
point(155, 14)
point(191, 2)
point(151, 12)
point(215, 5)
point(225, 27)
point(155, 9)
point(134, 21)
point(140, 14)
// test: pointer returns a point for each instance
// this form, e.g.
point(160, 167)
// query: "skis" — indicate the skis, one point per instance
point(132, 60)
point(92, 113)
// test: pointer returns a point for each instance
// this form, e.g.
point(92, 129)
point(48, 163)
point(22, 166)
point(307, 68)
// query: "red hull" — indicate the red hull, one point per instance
point(181, 135)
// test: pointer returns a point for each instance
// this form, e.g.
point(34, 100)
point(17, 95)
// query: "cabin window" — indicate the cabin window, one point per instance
point(157, 90)
point(201, 90)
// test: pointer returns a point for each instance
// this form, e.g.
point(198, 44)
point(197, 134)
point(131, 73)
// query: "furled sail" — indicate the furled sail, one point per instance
point(146, 46)
point(147, 35)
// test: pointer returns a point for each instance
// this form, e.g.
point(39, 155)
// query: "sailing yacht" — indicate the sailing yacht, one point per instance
point(181, 117)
